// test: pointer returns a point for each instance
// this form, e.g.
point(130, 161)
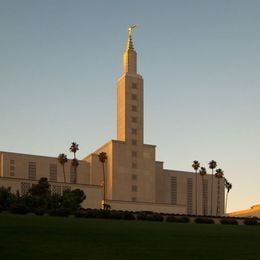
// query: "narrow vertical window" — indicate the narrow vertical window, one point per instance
point(32, 170)
point(134, 177)
point(134, 142)
point(73, 174)
point(134, 165)
point(12, 168)
point(134, 131)
point(189, 196)
point(134, 108)
point(134, 154)
point(174, 190)
point(134, 86)
point(134, 119)
point(134, 188)
point(53, 172)
point(134, 97)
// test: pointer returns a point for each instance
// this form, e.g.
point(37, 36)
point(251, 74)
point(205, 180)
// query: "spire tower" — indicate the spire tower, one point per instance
point(130, 97)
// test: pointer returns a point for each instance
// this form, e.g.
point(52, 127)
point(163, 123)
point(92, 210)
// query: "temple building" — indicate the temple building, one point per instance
point(134, 180)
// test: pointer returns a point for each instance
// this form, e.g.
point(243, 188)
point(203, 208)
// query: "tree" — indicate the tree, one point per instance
point(75, 163)
point(219, 175)
point(196, 166)
point(38, 195)
point(62, 158)
point(6, 198)
point(202, 173)
point(42, 189)
point(102, 158)
point(228, 186)
point(212, 166)
point(74, 148)
point(72, 199)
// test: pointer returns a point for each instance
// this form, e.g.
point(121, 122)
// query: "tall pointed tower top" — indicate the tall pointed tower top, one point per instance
point(129, 58)
point(130, 45)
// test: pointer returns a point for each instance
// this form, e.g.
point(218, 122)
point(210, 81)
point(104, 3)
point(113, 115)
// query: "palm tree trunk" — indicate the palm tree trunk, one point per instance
point(218, 198)
point(226, 202)
point(196, 194)
point(212, 193)
point(104, 195)
point(64, 176)
point(203, 196)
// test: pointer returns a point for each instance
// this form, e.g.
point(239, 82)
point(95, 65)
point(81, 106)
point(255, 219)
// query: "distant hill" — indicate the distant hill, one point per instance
point(254, 211)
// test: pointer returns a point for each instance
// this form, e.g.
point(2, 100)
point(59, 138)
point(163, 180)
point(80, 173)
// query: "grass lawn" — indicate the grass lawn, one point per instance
point(36, 237)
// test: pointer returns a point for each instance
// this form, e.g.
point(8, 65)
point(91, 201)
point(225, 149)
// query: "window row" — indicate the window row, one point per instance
point(57, 189)
point(53, 173)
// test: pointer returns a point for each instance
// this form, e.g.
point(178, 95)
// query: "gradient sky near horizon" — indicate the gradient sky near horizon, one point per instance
point(60, 60)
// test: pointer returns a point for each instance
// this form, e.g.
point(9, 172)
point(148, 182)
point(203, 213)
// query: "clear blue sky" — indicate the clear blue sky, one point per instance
point(59, 62)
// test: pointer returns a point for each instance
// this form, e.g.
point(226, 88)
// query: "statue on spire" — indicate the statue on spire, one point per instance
point(130, 30)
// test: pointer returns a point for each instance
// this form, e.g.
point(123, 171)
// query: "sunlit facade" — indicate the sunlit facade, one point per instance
point(134, 180)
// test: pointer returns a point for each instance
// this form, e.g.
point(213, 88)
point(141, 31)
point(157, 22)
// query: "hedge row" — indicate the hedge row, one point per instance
point(126, 215)
point(178, 219)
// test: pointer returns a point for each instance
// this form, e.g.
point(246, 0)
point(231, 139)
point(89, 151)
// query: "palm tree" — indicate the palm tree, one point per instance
point(228, 186)
point(212, 166)
point(62, 158)
point(74, 164)
point(74, 148)
point(102, 158)
point(202, 173)
point(196, 166)
point(219, 174)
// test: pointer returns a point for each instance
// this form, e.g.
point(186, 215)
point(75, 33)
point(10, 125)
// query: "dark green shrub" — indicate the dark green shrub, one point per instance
point(79, 213)
point(19, 208)
point(116, 215)
point(149, 216)
point(121, 215)
point(178, 219)
point(228, 221)
point(6, 198)
point(62, 212)
point(129, 216)
point(39, 211)
point(251, 221)
point(72, 199)
point(204, 221)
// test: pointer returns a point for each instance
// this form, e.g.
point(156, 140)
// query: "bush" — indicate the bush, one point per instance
point(92, 213)
point(149, 216)
point(204, 221)
point(19, 208)
point(62, 212)
point(178, 219)
point(99, 213)
point(228, 221)
point(72, 199)
point(6, 198)
point(39, 211)
point(121, 215)
point(129, 216)
point(79, 213)
point(251, 221)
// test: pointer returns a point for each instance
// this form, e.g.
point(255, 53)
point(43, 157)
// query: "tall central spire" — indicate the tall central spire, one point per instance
point(130, 98)
point(130, 55)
